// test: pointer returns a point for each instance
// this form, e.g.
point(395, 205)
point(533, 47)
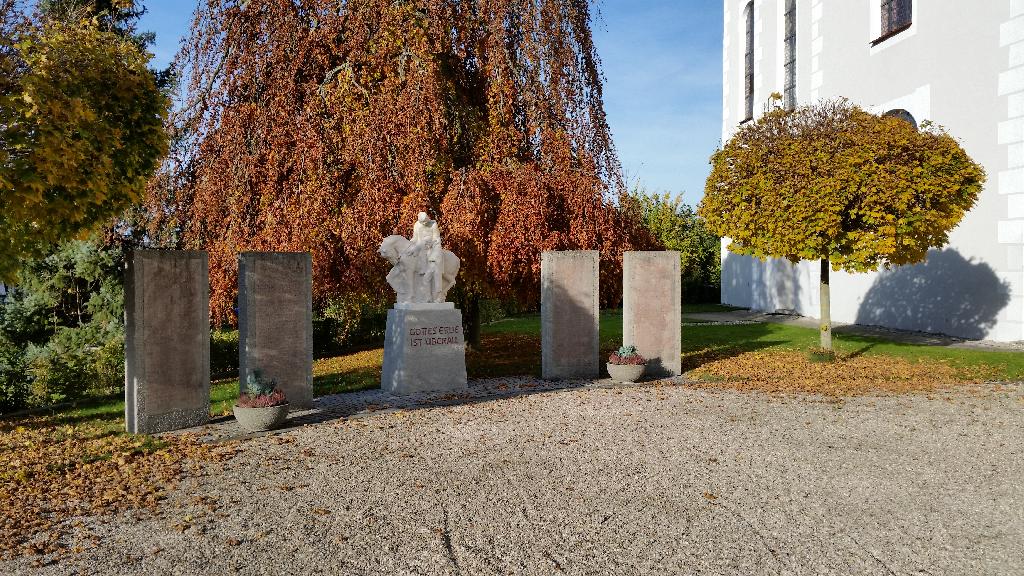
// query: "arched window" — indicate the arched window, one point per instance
point(902, 115)
point(790, 65)
point(748, 62)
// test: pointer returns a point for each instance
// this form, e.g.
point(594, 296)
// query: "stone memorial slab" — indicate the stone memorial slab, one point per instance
point(275, 322)
point(569, 308)
point(167, 341)
point(424, 350)
point(652, 310)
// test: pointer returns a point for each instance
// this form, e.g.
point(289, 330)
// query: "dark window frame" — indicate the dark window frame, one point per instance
point(896, 16)
point(748, 62)
point(789, 65)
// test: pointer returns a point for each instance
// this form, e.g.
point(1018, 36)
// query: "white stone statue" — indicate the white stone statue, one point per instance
point(422, 271)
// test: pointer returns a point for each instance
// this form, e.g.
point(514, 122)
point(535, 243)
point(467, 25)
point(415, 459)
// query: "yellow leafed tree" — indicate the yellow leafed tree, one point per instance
point(834, 183)
point(81, 130)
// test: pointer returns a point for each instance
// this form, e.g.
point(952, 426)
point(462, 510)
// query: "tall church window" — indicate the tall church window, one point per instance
point(748, 62)
point(790, 63)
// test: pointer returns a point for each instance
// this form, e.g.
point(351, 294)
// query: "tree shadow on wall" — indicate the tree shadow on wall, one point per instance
point(769, 285)
point(946, 294)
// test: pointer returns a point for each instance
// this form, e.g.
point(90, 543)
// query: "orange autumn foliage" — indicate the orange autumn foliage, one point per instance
point(323, 126)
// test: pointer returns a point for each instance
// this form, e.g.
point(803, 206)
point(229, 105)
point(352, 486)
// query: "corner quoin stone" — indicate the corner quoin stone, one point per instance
point(167, 341)
point(424, 350)
point(275, 322)
point(652, 310)
point(569, 308)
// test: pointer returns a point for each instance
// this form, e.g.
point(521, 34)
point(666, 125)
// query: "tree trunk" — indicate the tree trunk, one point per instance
point(826, 312)
point(471, 320)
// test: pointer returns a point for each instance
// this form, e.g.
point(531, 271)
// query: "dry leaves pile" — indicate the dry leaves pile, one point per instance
point(52, 474)
point(785, 371)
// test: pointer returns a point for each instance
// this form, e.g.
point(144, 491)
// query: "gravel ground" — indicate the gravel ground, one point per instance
point(665, 480)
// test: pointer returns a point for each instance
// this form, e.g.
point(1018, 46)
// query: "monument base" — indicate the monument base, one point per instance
point(425, 306)
point(424, 350)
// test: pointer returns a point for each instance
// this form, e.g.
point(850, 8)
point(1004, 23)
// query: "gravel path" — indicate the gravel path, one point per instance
point(664, 480)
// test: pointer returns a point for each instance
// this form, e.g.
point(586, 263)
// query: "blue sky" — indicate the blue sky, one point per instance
point(663, 68)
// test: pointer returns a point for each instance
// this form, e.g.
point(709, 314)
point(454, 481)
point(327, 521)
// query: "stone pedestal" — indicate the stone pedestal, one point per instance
point(424, 349)
point(275, 322)
point(651, 310)
point(167, 341)
point(570, 337)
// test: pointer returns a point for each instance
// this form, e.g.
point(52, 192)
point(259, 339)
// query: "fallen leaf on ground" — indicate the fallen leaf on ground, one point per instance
point(55, 473)
point(790, 371)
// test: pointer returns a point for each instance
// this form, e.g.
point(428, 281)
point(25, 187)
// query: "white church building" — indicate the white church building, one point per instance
point(957, 63)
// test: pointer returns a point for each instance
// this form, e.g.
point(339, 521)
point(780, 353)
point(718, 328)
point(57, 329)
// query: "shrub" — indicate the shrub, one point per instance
point(678, 227)
point(14, 389)
point(349, 321)
point(58, 372)
point(108, 361)
point(75, 363)
point(223, 353)
point(62, 327)
point(492, 311)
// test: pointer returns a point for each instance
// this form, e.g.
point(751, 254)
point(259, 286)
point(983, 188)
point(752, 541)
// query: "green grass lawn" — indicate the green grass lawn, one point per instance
point(511, 347)
point(702, 343)
point(108, 413)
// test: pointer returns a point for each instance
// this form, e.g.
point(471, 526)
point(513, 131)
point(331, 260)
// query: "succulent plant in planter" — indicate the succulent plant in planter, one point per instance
point(626, 364)
point(262, 406)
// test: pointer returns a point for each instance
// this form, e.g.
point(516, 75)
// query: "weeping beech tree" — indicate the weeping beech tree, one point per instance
point(325, 125)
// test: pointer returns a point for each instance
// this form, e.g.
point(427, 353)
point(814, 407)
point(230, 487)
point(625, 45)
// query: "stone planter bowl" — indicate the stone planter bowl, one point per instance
point(626, 372)
point(261, 419)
